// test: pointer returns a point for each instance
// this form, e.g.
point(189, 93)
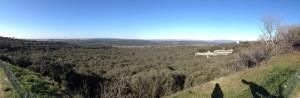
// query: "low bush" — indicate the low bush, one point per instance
point(293, 37)
point(250, 57)
point(156, 84)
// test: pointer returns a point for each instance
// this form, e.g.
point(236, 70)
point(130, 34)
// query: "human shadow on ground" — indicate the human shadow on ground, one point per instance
point(217, 92)
point(258, 91)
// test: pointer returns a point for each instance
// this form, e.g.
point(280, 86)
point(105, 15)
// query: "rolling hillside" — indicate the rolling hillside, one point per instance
point(278, 76)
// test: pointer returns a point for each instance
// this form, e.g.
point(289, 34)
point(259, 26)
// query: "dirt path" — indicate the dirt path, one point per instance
point(6, 89)
point(298, 96)
point(2, 80)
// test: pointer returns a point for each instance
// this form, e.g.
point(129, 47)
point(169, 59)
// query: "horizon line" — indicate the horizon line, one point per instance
point(88, 38)
point(134, 39)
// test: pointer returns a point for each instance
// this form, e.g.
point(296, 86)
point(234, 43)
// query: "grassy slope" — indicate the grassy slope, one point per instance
point(269, 75)
point(6, 89)
point(34, 82)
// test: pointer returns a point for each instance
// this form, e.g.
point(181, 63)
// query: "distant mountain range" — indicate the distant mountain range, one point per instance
point(137, 42)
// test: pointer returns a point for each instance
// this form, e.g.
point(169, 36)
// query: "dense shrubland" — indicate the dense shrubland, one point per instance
point(98, 71)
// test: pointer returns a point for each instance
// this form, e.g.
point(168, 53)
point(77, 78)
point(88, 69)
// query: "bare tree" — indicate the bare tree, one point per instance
point(270, 30)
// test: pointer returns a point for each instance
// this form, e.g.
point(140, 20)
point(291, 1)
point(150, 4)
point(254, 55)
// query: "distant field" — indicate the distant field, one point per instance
point(152, 46)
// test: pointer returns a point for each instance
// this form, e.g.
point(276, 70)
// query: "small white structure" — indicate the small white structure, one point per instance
point(223, 52)
point(216, 52)
point(237, 42)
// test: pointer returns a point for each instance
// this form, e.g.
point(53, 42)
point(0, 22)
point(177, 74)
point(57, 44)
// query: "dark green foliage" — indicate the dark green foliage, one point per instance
point(23, 61)
point(48, 66)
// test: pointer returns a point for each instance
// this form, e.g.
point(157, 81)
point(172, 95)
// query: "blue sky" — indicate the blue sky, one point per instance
point(142, 19)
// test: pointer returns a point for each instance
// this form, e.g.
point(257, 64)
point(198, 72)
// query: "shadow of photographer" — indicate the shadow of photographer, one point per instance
point(217, 92)
point(258, 91)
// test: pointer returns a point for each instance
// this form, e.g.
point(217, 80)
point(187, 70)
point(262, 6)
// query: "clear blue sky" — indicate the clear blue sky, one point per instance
point(142, 19)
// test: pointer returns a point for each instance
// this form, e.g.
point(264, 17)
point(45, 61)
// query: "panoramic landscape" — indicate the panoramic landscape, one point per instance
point(149, 49)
